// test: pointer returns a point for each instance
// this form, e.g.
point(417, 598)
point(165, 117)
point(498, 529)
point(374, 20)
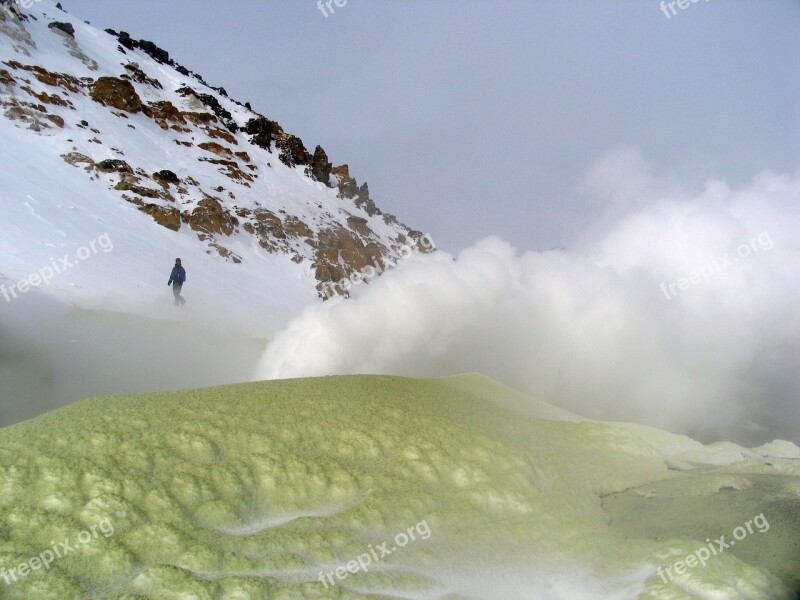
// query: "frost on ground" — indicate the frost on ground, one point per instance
point(250, 491)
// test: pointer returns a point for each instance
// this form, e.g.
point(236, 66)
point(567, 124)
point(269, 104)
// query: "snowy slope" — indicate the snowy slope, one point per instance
point(51, 207)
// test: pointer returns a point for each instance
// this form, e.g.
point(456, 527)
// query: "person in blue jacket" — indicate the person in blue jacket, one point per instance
point(176, 279)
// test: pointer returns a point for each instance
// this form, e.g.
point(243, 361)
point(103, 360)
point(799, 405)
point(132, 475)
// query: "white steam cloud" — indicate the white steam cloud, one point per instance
point(677, 311)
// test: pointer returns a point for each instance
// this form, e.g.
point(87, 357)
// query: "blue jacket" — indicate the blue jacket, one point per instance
point(178, 275)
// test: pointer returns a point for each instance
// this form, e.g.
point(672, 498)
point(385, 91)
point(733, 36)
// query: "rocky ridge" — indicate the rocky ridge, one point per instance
point(221, 178)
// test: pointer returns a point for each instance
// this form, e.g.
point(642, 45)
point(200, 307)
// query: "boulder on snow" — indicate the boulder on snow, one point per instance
point(116, 93)
point(114, 165)
point(165, 176)
point(210, 217)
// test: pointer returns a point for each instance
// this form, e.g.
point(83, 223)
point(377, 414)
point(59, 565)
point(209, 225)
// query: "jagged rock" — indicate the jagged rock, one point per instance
point(348, 188)
point(126, 40)
point(263, 132)
point(67, 28)
point(116, 93)
point(210, 217)
point(154, 51)
point(291, 148)
point(364, 201)
point(145, 46)
point(292, 151)
point(166, 176)
point(165, 216)
point(320, 166)
point(164, 113)
point(221, 113)
point(342, 173)
point(113, 165)
point(68, 82)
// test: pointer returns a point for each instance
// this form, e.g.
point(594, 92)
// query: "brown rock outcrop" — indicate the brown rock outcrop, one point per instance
point(164, 113)
point(166, 217)
point(210, 217)
point(116, 93)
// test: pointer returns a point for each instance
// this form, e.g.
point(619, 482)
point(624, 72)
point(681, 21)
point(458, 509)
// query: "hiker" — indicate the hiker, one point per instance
point(176, 279)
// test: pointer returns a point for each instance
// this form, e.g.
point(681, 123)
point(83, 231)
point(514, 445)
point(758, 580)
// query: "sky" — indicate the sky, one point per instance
point(473, 118)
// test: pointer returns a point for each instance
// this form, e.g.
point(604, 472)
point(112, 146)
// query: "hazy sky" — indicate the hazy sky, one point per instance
point(472, 118)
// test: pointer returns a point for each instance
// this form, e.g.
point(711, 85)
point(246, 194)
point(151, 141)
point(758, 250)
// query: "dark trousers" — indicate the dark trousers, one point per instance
point(176, 291)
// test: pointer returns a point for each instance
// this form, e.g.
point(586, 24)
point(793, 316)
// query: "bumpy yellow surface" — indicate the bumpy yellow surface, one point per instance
point(251, 491)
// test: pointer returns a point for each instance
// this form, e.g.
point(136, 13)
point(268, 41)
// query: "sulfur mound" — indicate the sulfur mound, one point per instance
point(275, 489)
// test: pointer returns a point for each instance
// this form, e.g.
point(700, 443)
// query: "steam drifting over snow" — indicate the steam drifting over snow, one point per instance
point(590, 327)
